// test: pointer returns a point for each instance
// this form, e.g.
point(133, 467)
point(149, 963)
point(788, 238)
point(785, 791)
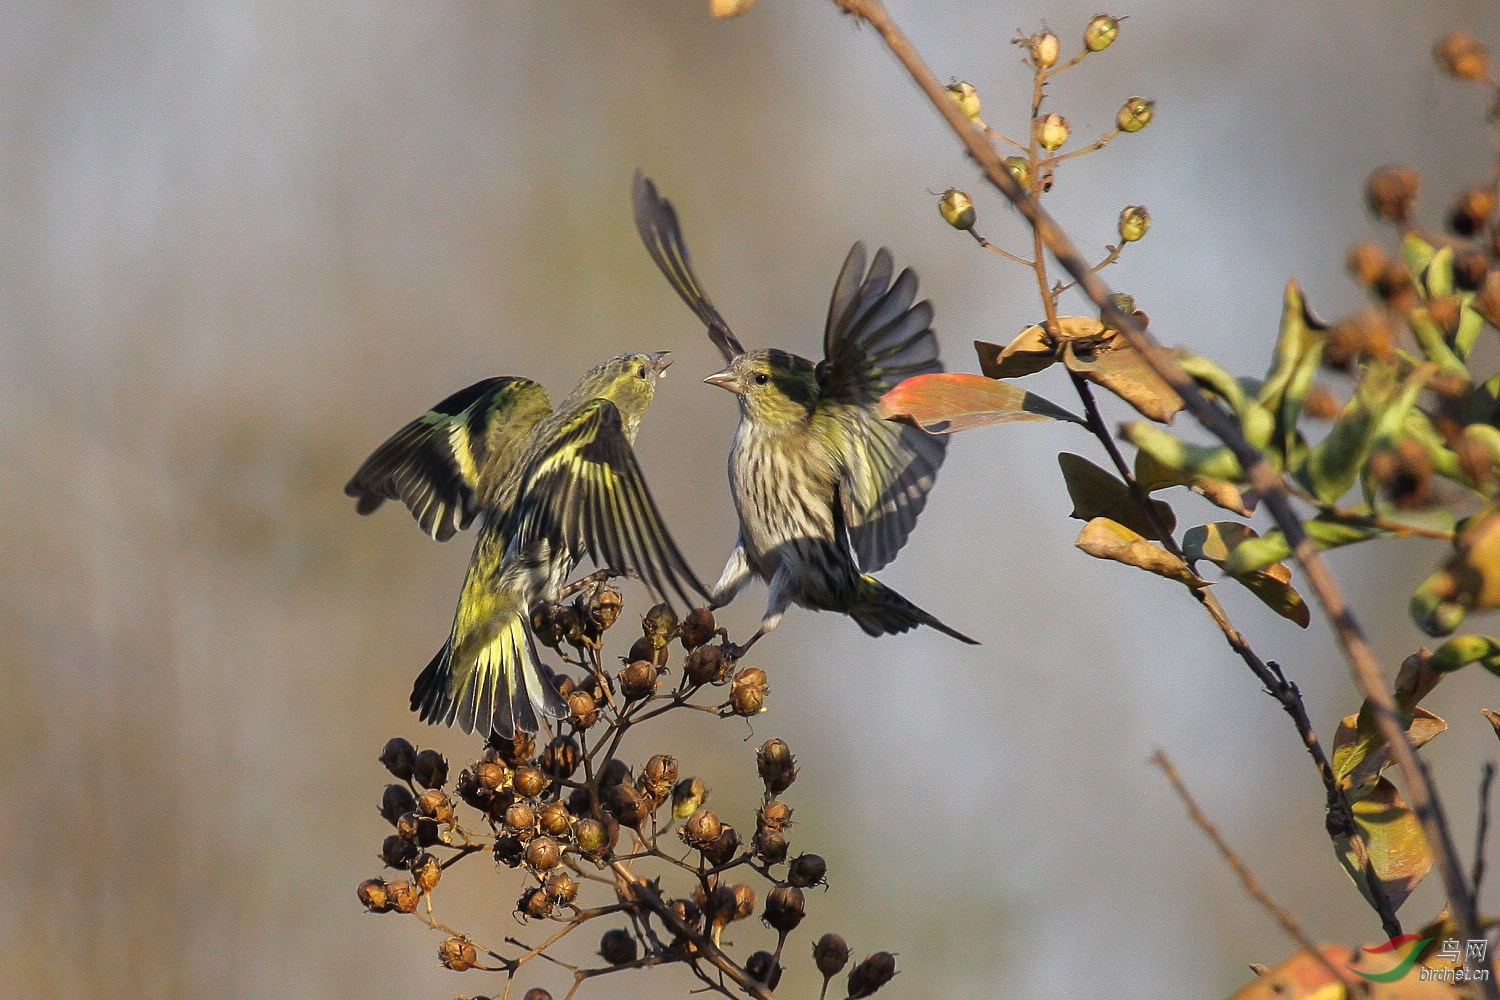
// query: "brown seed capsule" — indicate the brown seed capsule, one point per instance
point(871, 974)
point(687, 797)
point(701, 829)
point(568, 623)
point(638, 680)
point(831, 953)
point(537, 993)
point(748, 693)
point(1471, 212)
point(613, 773)
point(1366, 261)
point(626, 805)
point(707, 665)
point(763, 968)
point(617, 946)
point(426, 869)
point(490, 774)
point(396, 799)
point(806, 870)
point(561, 682)
point(744, 902)
point(1461, 55)
point(776, 766)
point(1100, 33)
point(718, 904)
point(1134, 222)
point(592, 837)
point(398, 757)
point(604, 609)
point(500, 803)
point(723, 848)
point(529, 781)
point(544, 625)
point(1390, 192)
point(785, 907)
point(1444, 311)
point(774, 816)
point(403, 896)
point(435, 805)
point(396, 851)
point(769, 846)
point(407, 825)
point(457, 954)
point(657, 779)
point(517, 750)
point(430, 769)
point(1469, 268)
point(582, 711)
point(1395, 286)
point(509, 850)
point(1487, 302)
point(372, 894)
point(543, 854)
point(561, 758)
point(697, 628)
point(553, 819)
point(966, 97)
point(520, 817)
point(534, 903)
point(659, 625)
point(1051, 131)
point(957, 209)
point(562, 888)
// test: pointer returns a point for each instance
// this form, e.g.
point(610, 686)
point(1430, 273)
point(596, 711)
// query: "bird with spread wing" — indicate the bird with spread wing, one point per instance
point(826, 490)
point(550, 486)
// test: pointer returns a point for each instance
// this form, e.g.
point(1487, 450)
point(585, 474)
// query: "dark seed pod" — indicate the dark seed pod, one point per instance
point(744, 902)
point(583, 712)
point(638, 680)
point(426, 870)
point(373, 896)
point(398, 757)
point(561, 682)
point(724, 847)
point(748, 693)
point(553, 819)
point(657, 779)
point(520, 818)
point(562, 888)
point(763, 968)
point(871, 974)
point(534, 903)
point(435, 805)
point(517, 750)
point(430, 769)
point(642, 649)
point(403, 896)
point(561, 758)
point(500, 803)
point(776, 765)
point(1469, 268)
point(719, 904)
point(769, 846)
point(785, 907)
point(831, 953)
point(613, 773)
point(509, 850)
point(774, 817)
point(1390, 192)
point(687, 911)
point(617, 946)
point(707, 665)
point(697, 628)
point(604, 609)
point(580, 804)
point(468, 788)
point(626, 805)
point(427, 832)
point(529, 782)
point(536, 993)
point(806, 870)
point(407, 826)
point(545, 626)
point(396, 799)
point(701, 829)
point(659, 625)
point(457, 954)
point(396, 851)
point(688, 795)
point(543, 854)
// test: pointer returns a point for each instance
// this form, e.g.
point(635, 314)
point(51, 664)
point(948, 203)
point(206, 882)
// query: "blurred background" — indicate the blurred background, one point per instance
point(244, 242)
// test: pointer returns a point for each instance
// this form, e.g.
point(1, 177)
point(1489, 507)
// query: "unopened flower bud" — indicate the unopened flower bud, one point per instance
point(396, 851)
point(372, 894)
point(604, 609)
point(1101, 31)
point(617, 946)
point(770, 846)
point(583, 712)
point(529, 782)
point(807, 870)
point(1134, 114)
point(426, 870)
point(638, 680)
point(1390, 192)
point(1134, 221)
point(457, 954)
point(763, 968)
point(430, 769)
point(659, 625)
point(701, 829)
point(543, 854)
point(1052, 131)
point(729, 8)
point(1020, 168)
point(776, 765)
point(1461, 55)
point(697, 628)
point(831, 954)
point(403, 896)
point(1471, 212)
point(562, 888)
point(398, 757)
point(785, 906)
point(687, 797)
point(966, 97)
point(553, 819)
point(871, 974)
point(396, 800)
point(748, 693)
point(957, 209)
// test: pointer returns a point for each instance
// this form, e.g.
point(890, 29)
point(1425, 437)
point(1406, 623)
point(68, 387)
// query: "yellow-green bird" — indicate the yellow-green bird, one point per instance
point(551, 487)
point(826, 490)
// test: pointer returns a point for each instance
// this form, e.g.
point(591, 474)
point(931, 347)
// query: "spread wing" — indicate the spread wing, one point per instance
point(876, 337)
point(656, 221)
point(442, 463)
point(585, 491)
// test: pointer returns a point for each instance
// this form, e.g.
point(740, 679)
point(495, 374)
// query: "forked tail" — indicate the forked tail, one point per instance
point(493, 681)
point(882, 611)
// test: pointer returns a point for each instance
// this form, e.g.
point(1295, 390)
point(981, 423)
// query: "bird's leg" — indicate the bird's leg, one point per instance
point(777, 601)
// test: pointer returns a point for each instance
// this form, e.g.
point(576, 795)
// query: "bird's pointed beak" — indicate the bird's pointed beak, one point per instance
point(660, 362)
point(726, 379)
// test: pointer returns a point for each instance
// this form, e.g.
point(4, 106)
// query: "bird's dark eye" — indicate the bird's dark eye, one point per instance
point(640, 371)
point(761, 378)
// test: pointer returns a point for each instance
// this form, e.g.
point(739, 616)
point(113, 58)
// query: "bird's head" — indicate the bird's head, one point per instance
point(628, 381)
point(772, 385)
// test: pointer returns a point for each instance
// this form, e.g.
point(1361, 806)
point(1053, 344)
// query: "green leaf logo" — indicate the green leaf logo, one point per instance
point(1402, 967)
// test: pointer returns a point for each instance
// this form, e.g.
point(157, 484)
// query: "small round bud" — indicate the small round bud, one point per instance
point(398, 757)
point(1390, 192)
point(561, 758)
point(543, 854)
point(785, 907)
point(553, 819)
point(763, 968)
point(957, 209)
point(396, 851)
point(659, 625)
point(372, 894)
point(529, 782)
point(1366, 261)
point(1041, 49)
point(1052, 131)
point(1471, 213)
point(775, 816)
point(770, 846)
point(395, 800)
point(1134, 222)
point(748, 693)
point(687, 797)
point(626, 805)
point(1134, 114)
point(537, 993)
point(1461, 55)
point(516, 750)
point(435, 805)
point(457, 954)
point(562, 888)
point(707, 665)
point(604, 609)
point(509, 850)
point(697, 628)
point(723, 848)
point(535, 903)
point(966, 97)
point(617, 947)
point(1020, 168)
point(701, 829)
point(426, 870)
point(1470, 267)
point(831, 953)
point(403, 895)
point(807, 870)
point(583, 712)
point(871, 974)
point(776, 765)
point(638, 680)
point(520, 818)
point(592, 837)
point(1100, 33)
point(430, 769)
point(1320, 404)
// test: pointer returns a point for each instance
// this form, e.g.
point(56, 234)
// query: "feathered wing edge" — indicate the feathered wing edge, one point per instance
point(503, 688)
point(656, 221)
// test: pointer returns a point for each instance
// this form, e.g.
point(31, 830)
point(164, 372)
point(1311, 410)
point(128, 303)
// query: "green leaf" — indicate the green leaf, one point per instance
point(1326, 533)
point(1469, 325)
point(1193, 459)
point(1299, 348)
point(1434, 344)
point(1462, 650)
point(946, 402)
point(1106, 539)
point(1213, 378)
point(1374, 415)
point(1394, 843)
point(1214, 542)
point(1416, 254)
point(1097, 493)
point(1438, 278)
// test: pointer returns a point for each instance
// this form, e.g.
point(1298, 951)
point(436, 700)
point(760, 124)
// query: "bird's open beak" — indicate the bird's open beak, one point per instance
point(660, 362)
point(726, 379)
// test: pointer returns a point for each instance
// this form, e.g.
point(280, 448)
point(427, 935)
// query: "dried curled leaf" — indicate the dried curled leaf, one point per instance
point(1113, 364)
point(1106, 539)
point(1273, 584)
point(1494, 718)
point(1360, 753)
point(1394, 843)
point(1097, 493)
point(946, 402)
point(1152, 475)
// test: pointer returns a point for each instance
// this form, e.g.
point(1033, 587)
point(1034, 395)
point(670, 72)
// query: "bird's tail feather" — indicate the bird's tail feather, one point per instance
point(497, 687)
point(882, 611)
